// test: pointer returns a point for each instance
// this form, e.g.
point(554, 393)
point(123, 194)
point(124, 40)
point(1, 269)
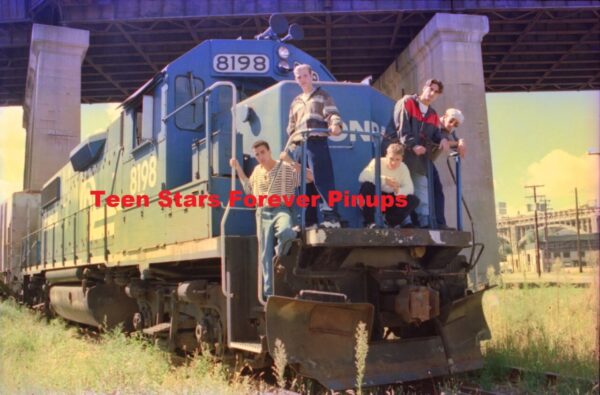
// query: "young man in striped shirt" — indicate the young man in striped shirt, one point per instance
point(271, 177)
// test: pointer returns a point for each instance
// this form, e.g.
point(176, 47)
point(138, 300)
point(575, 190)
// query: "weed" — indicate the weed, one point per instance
point(280, 360)
point(361, 349)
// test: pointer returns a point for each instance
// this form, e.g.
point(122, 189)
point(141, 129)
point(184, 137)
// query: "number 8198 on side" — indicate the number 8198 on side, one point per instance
point(241, 63)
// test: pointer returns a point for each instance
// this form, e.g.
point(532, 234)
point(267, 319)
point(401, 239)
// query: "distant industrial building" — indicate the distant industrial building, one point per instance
point(517, 239)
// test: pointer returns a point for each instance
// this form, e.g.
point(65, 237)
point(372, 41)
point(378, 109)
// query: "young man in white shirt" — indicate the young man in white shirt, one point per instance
point(395, 180)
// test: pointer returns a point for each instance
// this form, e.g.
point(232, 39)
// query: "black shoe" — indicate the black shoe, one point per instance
point(445, 227)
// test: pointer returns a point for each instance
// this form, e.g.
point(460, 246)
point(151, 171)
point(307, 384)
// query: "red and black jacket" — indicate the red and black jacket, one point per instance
point(415, 128)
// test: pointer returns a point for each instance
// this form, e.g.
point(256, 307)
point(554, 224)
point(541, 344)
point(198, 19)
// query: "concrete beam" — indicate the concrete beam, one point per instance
point(51, 113)
point(449, 49)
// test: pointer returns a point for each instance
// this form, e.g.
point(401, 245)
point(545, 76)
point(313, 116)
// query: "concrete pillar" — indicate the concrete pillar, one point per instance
point(449, 49)
point(51, 113)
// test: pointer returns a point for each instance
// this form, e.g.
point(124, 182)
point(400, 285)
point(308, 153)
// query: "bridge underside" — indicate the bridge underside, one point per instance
point(527, 49)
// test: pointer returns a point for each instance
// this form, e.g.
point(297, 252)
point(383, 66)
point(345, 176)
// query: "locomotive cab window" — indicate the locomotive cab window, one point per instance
point(142, 121)
point(192, 116)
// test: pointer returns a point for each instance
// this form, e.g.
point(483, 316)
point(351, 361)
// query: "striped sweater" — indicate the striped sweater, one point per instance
point(282, 179)
point(318, 110)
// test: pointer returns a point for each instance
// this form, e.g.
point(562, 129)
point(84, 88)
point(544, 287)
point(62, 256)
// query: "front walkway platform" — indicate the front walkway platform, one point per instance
point(363, 237)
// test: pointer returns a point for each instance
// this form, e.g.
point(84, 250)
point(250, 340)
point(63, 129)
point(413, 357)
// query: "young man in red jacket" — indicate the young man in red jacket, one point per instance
point(418, 127)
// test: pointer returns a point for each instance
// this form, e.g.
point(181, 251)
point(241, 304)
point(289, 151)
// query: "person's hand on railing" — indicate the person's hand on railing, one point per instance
point(285, 157)
point(335, 130)
point(235, 164)
point(309, 176)
point(461, 148)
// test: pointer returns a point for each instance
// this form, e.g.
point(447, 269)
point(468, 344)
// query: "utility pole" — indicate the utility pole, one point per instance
point(578, 238)
point(512, 257)
point(537, 236)
point(596, 152)
point(547, 263)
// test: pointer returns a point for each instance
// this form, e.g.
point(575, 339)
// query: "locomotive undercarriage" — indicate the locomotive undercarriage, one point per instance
point(408, 286)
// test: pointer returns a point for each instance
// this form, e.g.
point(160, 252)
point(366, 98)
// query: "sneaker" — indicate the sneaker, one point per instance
point(331, 224)
point(277, 266)
point(296, 228)
point(372, 225)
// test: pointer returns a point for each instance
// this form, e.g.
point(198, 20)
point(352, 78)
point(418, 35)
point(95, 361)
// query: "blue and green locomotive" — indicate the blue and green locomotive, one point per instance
point(187, 272)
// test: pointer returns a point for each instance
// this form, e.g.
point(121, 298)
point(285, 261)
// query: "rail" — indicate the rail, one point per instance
point(225, 275)
point(375, 141)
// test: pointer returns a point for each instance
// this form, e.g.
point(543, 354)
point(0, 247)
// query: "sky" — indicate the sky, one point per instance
point(543, 138)
point(536, 138)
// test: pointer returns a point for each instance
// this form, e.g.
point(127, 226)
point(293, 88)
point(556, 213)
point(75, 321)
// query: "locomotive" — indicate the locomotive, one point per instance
point(189, 274)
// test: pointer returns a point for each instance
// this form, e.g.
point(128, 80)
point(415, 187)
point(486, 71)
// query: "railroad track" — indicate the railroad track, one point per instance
point(516, 375)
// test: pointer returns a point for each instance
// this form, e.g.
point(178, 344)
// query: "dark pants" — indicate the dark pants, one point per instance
point(319, 161)
point(438, 197)
point(393, 215)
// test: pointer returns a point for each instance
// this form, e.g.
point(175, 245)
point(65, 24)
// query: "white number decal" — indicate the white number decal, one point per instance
point(142, 176)
point(237, 63)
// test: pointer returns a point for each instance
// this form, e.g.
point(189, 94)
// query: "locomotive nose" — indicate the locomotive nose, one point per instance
point(319, 339)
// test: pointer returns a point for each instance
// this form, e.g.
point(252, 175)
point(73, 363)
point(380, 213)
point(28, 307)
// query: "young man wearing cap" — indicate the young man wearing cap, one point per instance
point(417, 125)
point(451, 119)
point(315, 109)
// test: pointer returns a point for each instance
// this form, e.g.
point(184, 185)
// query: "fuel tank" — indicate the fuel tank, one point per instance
point(100, 306)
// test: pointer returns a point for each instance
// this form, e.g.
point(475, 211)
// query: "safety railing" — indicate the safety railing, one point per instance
point(375, 139)
point(205, 94)
point(459, 198)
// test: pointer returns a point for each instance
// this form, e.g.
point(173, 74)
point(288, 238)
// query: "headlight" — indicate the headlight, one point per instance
point(283, 65)
point(283, 52)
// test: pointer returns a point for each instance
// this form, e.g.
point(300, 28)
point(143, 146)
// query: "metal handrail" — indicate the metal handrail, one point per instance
point(375, 140)
point(225, 275)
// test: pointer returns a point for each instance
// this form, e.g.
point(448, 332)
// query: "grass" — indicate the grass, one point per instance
point(41, 357)
point(545, 329)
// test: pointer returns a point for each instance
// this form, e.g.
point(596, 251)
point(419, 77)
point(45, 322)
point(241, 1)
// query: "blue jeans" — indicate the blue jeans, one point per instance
point(319, 161)
point(439, 198)
point(272, 223)
point(421, 192)
point(424, 190)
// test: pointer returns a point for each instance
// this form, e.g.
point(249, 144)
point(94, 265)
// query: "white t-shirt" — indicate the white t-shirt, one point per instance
point(400, 174)
point(423, 107)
